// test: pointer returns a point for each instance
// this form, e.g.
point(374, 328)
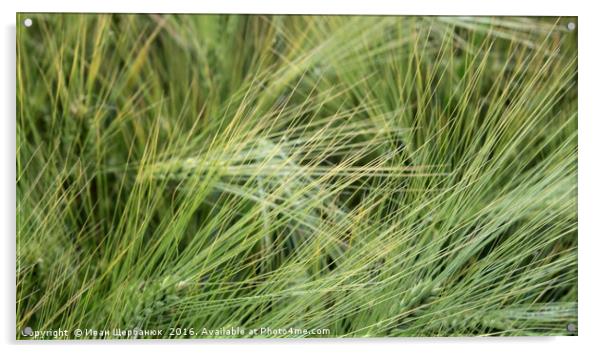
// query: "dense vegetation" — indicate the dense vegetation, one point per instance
point(372, 176)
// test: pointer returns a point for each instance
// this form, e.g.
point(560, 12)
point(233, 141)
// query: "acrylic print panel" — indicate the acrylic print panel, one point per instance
point(236, 176)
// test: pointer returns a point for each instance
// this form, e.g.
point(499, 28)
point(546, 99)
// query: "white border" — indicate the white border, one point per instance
point(590, 150)
point(374, 7)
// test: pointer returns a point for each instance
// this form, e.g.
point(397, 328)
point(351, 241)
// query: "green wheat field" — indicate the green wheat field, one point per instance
point(235, 176)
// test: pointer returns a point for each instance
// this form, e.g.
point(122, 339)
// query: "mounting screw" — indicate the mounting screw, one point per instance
point(571, 328)
point(28, 22)
point(571, 26)
point(27, 331)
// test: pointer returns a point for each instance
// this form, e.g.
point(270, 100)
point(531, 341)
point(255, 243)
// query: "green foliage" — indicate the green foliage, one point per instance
point(373, 176)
